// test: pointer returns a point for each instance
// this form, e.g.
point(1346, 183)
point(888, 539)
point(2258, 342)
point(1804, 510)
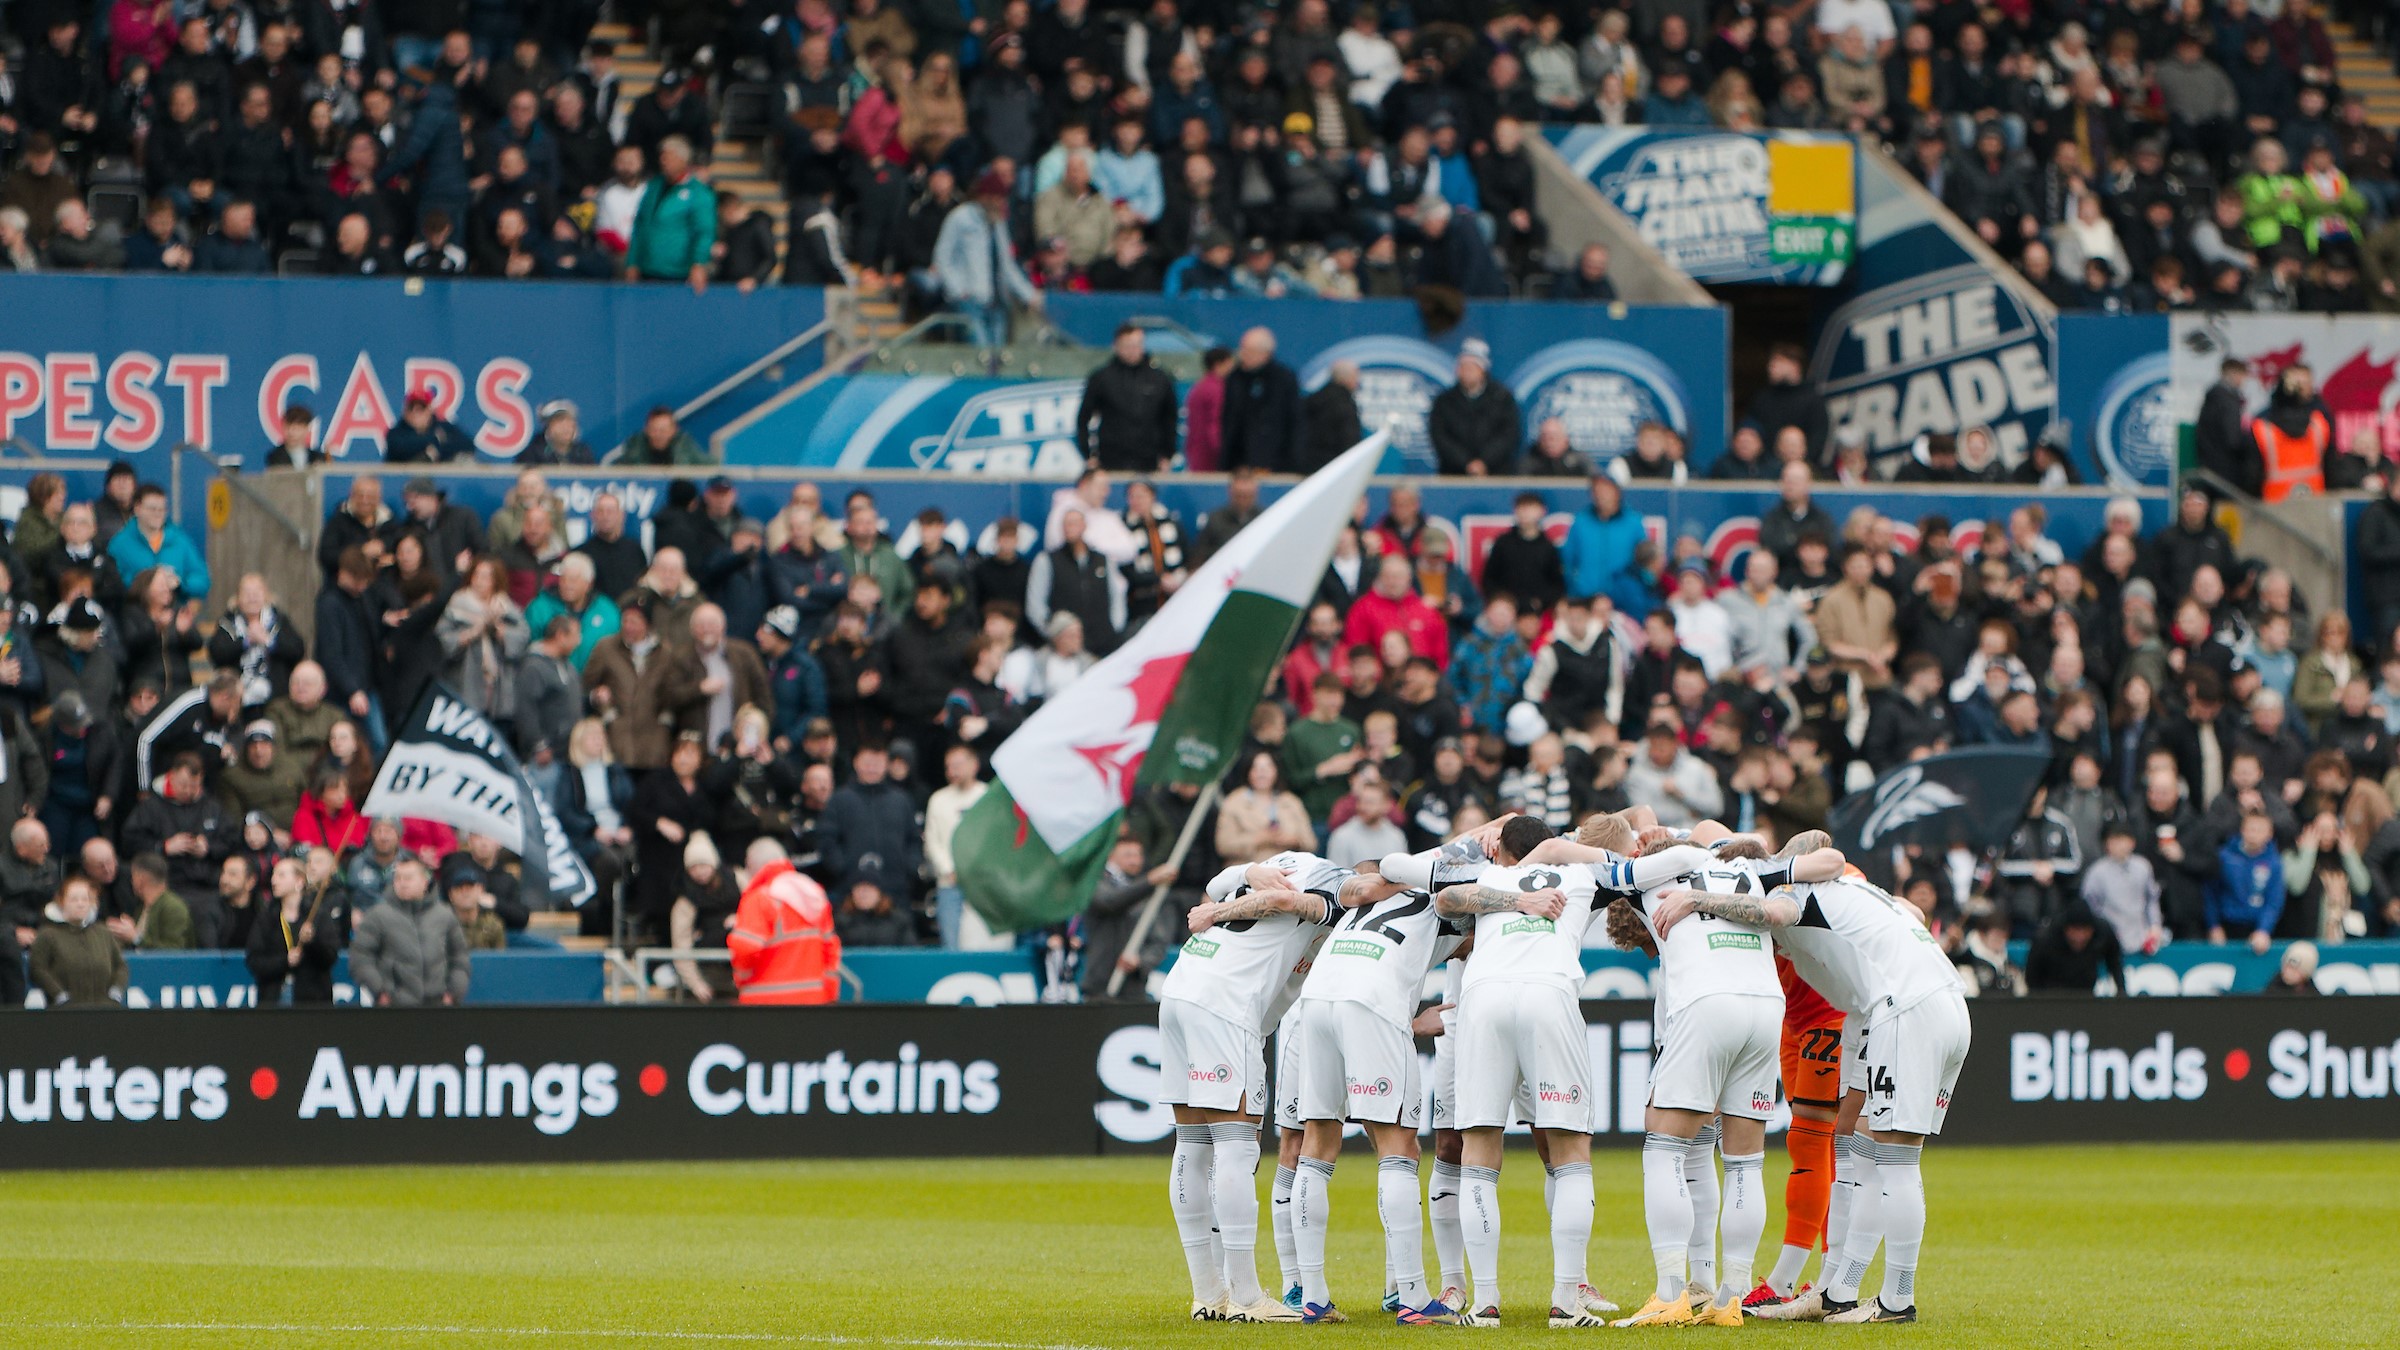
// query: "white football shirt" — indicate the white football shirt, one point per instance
point(1248, 971)
point(1379, 955)
point(1515, 946)
point(1868, 947)
point(1705, 955)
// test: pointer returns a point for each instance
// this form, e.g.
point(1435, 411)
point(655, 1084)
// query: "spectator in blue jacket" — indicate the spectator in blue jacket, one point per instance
point(1128, 172)
point(2248, 896)
point(150, 540)
point(1601, 542)
point(434, 156)
point(793, 674)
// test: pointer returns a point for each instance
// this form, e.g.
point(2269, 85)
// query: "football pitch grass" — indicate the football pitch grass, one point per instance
point(2121, 1246)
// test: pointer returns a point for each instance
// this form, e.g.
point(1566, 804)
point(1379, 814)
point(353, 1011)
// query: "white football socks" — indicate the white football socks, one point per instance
point(1744, 1221)
point(1900, 1166)
point(1866, 1226)
point(1570, 1232)
point(1312, 1209)
point(1785, 1277)
point(1666, 1209)
point(1849, 1159)
point(1287, 1256)
point(1401, 1206)
point(1449, 1243)
point(1700, 1175)
point(1479, 1220)
point(1196, 1211)
point(1236, 1147)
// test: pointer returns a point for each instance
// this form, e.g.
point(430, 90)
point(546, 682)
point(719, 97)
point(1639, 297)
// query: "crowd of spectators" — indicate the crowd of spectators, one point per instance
point(2135, 158)
point(356, 138)
point(835, 678)
point(2127, 158)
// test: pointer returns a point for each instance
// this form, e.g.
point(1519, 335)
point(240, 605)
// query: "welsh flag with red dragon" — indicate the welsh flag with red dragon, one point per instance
point(1031, 850)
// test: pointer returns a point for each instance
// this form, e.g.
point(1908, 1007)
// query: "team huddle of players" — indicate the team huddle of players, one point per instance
point(1790, 963)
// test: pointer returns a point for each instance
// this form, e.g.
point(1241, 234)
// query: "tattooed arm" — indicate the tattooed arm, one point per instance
point(1256, 905)
point(1777, 909)
point(1467, 900)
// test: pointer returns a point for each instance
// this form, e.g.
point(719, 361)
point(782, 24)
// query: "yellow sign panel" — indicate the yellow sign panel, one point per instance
point(1811, 178)
point(220, 504)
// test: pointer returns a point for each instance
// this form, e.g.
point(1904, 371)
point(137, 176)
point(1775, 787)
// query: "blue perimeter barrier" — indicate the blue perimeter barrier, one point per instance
point(219, 979)
point(989, 979)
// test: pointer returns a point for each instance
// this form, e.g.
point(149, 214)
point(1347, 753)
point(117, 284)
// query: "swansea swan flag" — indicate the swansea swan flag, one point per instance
point(1170, 705)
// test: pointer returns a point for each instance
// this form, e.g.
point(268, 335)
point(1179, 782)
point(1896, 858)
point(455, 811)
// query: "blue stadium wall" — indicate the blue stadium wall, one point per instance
point(132, 365)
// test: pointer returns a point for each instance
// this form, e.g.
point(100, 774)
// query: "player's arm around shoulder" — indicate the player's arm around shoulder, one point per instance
point(1779, 908)
point(1469, 900)
point(1257, 904)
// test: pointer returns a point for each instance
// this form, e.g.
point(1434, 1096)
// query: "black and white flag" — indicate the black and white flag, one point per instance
point(449, 763)
point(1976, 797)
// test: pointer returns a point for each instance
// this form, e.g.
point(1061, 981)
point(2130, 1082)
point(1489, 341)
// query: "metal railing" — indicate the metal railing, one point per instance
point(633, 976)
point(721, 388)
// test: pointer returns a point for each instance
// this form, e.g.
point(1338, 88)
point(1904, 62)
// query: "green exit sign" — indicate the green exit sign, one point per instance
point(1810, 239)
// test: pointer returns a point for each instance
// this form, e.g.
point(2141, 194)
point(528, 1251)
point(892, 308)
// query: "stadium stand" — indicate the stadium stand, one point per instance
point(835, 674)
point(2207, 156)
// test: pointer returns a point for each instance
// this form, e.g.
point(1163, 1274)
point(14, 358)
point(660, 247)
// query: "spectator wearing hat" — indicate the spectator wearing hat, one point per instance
point(794, 676)
point(423, 437)
point(868, 917)
point(410, 951)
point(1474, 424)
point(706, 902)
point(1208, 270)
point(975, 263)
point(453, 534)
point(1126, 421)
point(562, 440)
point(73, 653)
point(463, 889)
point(263, 780)
point(1264, 274)
point(85, 763)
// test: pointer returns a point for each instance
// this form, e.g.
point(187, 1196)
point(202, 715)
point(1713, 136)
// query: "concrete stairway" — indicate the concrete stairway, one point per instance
point(739, 167)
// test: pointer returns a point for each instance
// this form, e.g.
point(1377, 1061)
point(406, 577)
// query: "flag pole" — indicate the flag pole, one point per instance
point(1201, 806)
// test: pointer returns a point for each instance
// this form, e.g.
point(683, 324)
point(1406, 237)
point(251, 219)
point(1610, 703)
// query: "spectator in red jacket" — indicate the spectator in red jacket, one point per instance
point(1393, 605)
